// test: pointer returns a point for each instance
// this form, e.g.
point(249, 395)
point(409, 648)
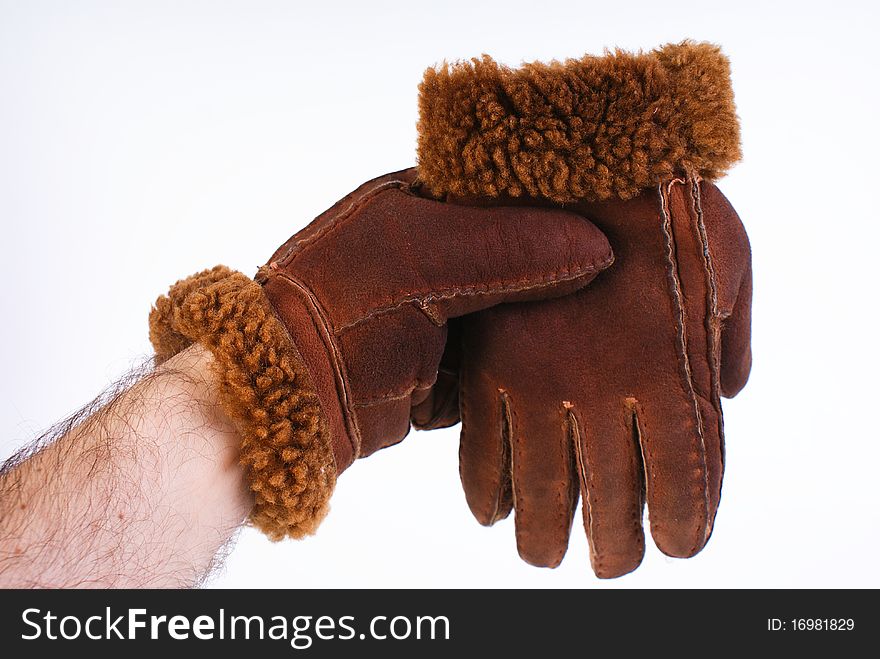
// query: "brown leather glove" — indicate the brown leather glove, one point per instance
point(612, 392)
point(321, 358)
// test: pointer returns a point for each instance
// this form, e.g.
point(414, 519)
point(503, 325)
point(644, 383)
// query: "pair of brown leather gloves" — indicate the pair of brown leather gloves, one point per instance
point(559, 273)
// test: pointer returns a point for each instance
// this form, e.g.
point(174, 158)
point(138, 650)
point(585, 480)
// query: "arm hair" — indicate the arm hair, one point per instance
point(140, 488)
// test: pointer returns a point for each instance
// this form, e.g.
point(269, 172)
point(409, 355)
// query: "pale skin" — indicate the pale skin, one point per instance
point(144, 492)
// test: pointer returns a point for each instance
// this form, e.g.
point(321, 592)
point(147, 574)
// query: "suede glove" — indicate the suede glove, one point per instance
point(613, 393)
point(321, 357)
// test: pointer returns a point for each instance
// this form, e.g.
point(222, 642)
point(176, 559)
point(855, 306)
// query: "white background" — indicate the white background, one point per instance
point(140, 142)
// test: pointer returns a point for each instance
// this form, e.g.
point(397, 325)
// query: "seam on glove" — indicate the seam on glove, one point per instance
point(585, 476)
point(565, 506)
point(594, 128)
point(647, 455)
point(677, 298)
point(639, 430)
point(515, 459)
point(489, 512)
point(505, 471)
point(492, 288)
point(394, 395)
point(263, 387)
point(321, 322)
point(338, 220)
point(713, 318)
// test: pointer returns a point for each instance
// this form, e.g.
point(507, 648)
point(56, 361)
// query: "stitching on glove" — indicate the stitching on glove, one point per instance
point(338, 220)
point(505, 471)
point(509, 420)
point(704, 242)
point(563, 496)
point(647, 454)
point(585, 474)
point(713, 318)
point(492, 288)
point(639, 428)
point(322, 325)
point(675, 286)
point(389, 397)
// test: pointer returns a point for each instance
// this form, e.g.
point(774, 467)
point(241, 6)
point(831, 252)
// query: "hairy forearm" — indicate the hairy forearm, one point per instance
point(142, 493)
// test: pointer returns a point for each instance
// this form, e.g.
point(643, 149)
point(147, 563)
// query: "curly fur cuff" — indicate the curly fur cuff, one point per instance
point(264, 389)
point(595, 128)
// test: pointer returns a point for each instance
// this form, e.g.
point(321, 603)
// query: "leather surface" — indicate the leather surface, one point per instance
point(612, 393)
point(365, 292)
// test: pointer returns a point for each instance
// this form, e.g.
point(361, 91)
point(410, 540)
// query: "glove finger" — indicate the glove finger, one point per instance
point(610, 473)
point(736, 341)
point(682, 457)
point(726, 244)
point(713, 440)
point(470, 258)
point(439, 406)
point(544, 482)
point(700, 284)
point(484, 449)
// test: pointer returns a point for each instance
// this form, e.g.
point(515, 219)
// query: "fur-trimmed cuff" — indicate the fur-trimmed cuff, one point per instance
point(595, 128)
point(263, 387)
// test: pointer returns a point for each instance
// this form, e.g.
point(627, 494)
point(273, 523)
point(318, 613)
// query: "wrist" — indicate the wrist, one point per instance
point(201, 442)
point(188, 376)
point(262, 386)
